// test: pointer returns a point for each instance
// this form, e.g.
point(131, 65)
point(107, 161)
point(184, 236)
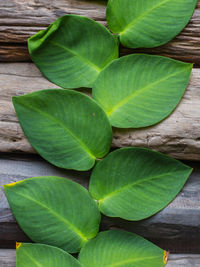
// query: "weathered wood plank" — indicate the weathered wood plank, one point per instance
point(176, 228)
point(178, 135)
point(14, 53)
point(32, 16)
point(187, 260)
point(8, 259)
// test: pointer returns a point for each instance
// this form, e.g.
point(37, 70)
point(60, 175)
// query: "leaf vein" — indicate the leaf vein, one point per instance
point(95, 67)
point(73, 228)
point(82, 145)
point(131, 261)
point(128, 27)
point(132, 184)
point(138, 92)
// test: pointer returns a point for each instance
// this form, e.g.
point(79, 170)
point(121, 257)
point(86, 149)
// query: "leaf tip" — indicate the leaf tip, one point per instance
point(14, 98)
point(11, 184)
point(166, 256)
point(18, 245)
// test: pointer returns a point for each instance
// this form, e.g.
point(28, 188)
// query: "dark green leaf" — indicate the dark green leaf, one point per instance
point(66, 128)
point(135, 183)
point(121, 249)
point(73, 50)
point(148, 23)
point(54, 211)
point(141, 90)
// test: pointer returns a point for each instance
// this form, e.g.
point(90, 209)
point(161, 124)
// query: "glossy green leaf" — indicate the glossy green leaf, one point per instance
point(65, 127)
point(117, 248)
point(141, 90)
point(54, 211)
point(135, 183)
point(39, 255)
point(148, 23)
point(73, 50)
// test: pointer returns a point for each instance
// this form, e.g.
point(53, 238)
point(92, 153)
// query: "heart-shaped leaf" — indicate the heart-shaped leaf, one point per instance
point(66, 127)
point(141, 90)
point(73, 50)
point(117, 248)
point(135, 183)
point(39, 255)
point(144, 23)
point(54, 211)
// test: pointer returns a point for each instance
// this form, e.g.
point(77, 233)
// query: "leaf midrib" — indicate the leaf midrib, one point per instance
point(129, 26)
point(82, 145)
point(33, 260)
point(138, 92)
point(131, 261)
point(92, 65)
point(124, 188)
point(51, 211)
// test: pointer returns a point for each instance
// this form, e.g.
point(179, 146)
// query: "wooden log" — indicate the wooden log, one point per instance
point(31, 16)
point(175, 228)
point(178, 135)
point(8, 259)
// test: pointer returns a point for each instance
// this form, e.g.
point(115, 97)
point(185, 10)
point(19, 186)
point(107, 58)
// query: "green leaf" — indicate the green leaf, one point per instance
point(144, 23)
point(38, 255)
point(73, 50)
point(65, 127)
point(54, 211)
point(117, 248)
point(135, 183)
point(141, 90)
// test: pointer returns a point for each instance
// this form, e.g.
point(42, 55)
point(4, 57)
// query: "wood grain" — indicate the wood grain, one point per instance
point(8, 259)
point(178, 135)
point(31, 16)
point(176, 228)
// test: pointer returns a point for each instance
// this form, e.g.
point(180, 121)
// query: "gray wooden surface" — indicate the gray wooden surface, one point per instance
point(31, 16)
point(8, 259)
point(176, 228)
point(178, 135)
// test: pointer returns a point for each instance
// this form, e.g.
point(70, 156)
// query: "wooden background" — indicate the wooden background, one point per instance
point(177, 227)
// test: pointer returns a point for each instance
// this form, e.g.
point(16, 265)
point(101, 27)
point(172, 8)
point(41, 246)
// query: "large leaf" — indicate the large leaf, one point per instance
point(148, 23)
point(140, 90)
point(38, 255)
point(66, 128)
point(54, 211)
point(135, 183)
point(73, 50)
point(121, 249)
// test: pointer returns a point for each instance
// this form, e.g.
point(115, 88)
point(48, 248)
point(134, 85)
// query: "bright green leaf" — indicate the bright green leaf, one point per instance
point(121, 249)
point(141, 90)
point(38, 255)
point(54, 211)
point(135, 183)
point(148, 23)
point(73, 50)
point(66, 128)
